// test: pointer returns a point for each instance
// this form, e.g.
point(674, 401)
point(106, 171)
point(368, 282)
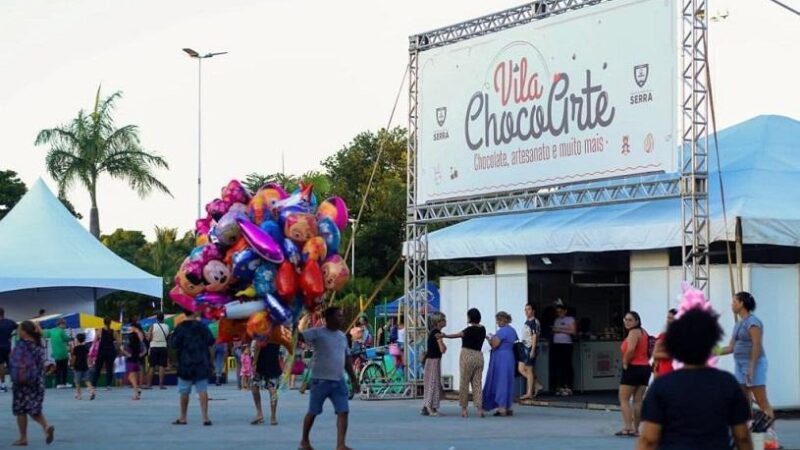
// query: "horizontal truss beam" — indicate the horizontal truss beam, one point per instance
point(491, 23)
point(548, 199)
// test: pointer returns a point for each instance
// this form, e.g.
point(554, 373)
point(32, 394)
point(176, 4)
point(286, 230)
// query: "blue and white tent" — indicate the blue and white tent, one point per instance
point(391, 308)
point(49, 261)
point(761, 178)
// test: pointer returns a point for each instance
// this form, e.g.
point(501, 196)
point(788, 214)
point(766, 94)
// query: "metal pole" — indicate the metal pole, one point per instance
point(353, 255)
point(199, 134)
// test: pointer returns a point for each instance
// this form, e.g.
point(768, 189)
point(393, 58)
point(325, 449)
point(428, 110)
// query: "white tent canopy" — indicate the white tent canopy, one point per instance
point(49, 261)
point(761, 177)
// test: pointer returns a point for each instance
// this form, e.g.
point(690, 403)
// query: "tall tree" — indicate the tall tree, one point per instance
point(11, 190)
point(92, 145)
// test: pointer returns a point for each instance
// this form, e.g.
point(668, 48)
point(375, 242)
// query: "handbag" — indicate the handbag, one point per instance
point(520, 352)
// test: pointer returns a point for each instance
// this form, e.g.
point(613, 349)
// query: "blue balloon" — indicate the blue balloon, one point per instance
point(274, 230)
point(245, 263)
point(330, 232)
point(291, 252)
point(264, 280)
point(277, 310)
point(313, 198)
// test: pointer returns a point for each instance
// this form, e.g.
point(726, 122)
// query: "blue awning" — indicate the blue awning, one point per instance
point(391, 308)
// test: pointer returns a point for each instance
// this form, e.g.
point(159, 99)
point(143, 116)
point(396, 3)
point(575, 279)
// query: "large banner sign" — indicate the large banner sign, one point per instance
point(586, 95)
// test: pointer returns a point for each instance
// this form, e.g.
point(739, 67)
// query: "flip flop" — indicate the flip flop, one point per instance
point(257, 421)
point(51, 434)
point(179, 422)
point(19, 444)
point(624, 433)
point(207, 423)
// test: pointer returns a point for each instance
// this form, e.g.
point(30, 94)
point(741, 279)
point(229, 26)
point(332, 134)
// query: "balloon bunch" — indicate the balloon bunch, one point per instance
point(261, 259)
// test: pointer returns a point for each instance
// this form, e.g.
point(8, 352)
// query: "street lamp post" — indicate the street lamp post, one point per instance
point(200, 58)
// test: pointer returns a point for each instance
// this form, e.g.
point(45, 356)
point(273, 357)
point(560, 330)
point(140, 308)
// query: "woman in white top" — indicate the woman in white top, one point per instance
point(158, 336)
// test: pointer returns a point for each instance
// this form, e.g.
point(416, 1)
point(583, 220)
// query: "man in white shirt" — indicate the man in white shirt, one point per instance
point(158, 336)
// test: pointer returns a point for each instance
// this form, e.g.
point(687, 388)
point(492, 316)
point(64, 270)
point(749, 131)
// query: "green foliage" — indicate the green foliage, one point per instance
point(91, 145)
point(162, 257)
point(320, 181)
point(70, 207)
point(11, 191)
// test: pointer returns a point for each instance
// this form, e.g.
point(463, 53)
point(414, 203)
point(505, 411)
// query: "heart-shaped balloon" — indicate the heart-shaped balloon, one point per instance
point(311, 282)
point(278, 312)
point(286, 281)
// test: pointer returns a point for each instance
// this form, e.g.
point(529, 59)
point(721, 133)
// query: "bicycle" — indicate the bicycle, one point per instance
point(306, 377)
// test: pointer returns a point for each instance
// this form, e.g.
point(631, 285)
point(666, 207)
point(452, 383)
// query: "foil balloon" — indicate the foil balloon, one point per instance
point(226, 231)
point(281, 335)
point(311, 283)
point(312, 303)
point(300, 227)
point(202, 226)
point(273, 229)
point(335, 209)
point(215, 312)
point(335, 273)
point(258, 325)
point(330, 233)
point(278, 312)
point(234, 192)
point(244, 265)
point(217, 276)
point(230, 330)
point(262, 204)
point(264, 280)
point(182, 299)
point(201, 239)
point(312, 199)
point(248, 292)
point(287, 212)
point(205, 253)
point(262, 243)
point(240, 245)
point(217, 208)
point(315, 249)
point(243, 310)
point(213, 298)
point(190, 277)
point(291, 252)
point(286, 281)
point(302, 198)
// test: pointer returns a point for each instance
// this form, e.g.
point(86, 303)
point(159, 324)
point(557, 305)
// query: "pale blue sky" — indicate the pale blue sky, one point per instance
point(302, 77)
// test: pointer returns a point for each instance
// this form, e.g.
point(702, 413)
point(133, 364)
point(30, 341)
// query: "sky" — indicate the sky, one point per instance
point(301, 79)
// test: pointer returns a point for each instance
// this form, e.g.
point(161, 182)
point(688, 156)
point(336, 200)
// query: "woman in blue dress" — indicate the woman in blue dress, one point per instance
point(497, 392)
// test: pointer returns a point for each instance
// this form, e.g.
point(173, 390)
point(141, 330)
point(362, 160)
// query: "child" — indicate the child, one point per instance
point(80, 366)
point(247, 368)
point(297, 368)
point(119, 370)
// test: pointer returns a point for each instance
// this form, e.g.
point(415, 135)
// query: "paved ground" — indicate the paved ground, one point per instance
point(113, 421)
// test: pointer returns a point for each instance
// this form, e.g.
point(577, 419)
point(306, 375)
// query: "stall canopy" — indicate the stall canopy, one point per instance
point(51, 262)
point(760, 166)
point(391, 308)
point(74, 320)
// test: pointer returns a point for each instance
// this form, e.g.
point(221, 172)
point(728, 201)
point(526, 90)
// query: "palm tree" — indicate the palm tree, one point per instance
point(91, 145)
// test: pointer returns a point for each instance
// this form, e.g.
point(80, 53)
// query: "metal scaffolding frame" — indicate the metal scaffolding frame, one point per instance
point(690, 185)
point(694, 142)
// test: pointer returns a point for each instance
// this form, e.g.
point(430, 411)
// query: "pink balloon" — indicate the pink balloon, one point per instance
point(262, 243)
point(181, 299)
point(213, 298)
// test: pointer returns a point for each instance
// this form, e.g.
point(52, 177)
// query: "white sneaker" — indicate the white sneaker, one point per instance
point(59, 386)
point(68, 385)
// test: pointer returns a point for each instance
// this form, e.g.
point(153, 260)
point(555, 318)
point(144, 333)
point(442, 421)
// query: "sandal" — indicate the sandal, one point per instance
point(625, 433)
point(257, 421)
point(207, 423)
point(51, 434)
point(179, 422)
point(273, 422)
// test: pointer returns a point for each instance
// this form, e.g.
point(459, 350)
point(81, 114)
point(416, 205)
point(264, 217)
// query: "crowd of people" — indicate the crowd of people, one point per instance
point(689, 404)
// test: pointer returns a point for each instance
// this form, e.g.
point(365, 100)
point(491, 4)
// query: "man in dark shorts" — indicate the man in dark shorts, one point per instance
point(192, 341)
point(331, 358)
point(267, 375)
point(7, 329)
point(158, 337)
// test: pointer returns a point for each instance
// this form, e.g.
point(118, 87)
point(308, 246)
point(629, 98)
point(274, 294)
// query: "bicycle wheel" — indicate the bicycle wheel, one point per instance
point(371, 373)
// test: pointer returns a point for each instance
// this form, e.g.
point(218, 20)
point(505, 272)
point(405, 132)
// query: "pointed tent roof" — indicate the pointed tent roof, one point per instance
point(44, 247)
point(760, 165)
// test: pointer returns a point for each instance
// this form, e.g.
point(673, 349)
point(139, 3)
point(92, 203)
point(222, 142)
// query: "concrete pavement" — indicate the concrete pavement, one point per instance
point(113, 421)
